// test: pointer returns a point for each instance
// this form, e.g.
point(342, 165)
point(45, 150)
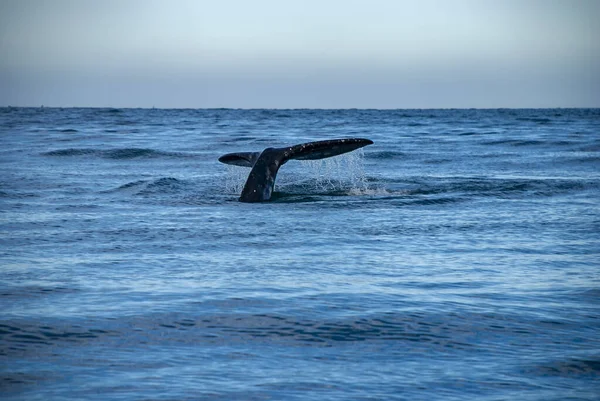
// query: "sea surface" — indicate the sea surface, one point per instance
point(456, 258)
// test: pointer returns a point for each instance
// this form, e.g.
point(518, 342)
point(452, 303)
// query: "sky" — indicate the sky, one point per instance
point(300, 53)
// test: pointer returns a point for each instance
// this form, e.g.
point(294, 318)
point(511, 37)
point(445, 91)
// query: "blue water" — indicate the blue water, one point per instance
point(458, 257)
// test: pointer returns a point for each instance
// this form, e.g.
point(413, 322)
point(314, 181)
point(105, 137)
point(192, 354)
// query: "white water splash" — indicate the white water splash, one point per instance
point(235, 178)
point(339, 173)
point(344, 172)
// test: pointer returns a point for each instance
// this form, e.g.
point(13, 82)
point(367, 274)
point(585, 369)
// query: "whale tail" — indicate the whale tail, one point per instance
point(266, 164)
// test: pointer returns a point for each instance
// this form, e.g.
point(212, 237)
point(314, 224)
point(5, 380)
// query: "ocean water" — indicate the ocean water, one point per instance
point(458, 257)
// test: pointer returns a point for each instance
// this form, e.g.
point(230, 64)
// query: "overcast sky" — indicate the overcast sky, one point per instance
point(300, 53)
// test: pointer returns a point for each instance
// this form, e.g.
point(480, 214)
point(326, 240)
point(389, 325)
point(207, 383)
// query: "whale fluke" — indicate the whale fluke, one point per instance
point(244, 159)
point(266, 164)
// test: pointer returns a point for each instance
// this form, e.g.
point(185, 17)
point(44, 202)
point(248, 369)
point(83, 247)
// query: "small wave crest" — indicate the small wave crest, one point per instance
point(114, 154)
point(130, 153)
point(18, 338)
point(515, 142)
point(164, 185)
point(568, 368)
point(70, 152)
point(496, 187)
point(374, 191)
point(386, 154)
point(538, 120)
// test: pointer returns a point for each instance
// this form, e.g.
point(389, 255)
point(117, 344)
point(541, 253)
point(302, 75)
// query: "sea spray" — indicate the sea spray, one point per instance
point(340, 173)
point(344, 172)
point(235, 178)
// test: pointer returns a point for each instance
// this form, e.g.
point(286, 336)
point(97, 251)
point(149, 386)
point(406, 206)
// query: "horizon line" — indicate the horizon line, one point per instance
point(297, 108)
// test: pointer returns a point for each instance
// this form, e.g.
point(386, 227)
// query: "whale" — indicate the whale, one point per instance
point(265, 165)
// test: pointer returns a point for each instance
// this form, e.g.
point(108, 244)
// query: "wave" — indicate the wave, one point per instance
point(17, 195)
point(27, 292)
point(71, 152)
point(163, 185)
point(592, 147)
point(496, 187)
point(549, 144)
point(386, 154)
point(115, 154)
point(539, 120)
point(515, 142)
point(19, 337)
point(567, 368)
point(414, 329)
point(130, 153)
point(22, 337)
point(171, 191)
